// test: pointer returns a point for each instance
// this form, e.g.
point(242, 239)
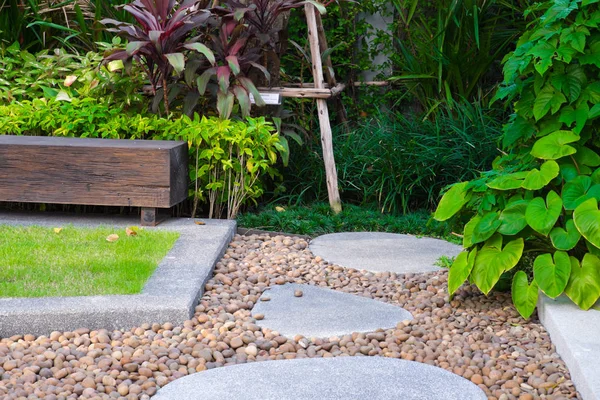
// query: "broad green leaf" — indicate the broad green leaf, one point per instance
point(595, 110)
point(568, 115)
point(584, 284)
point(596, 176)
point(452, 201)
point(243, 99)
point(285, 154)
point(542, 216)
point(592, 249)
point(575, 38)
point(486, 227)
point(492, 260)
point(537, 179)
point(587, 220)
point(177, 61)
point(568, 171)
point(543, 51)
point(547, 99)
point(592, 55)
point(552, 275)
point(554, 145)
point(565, 52)
point(579, 190)
point(468, 231)
point(508, 181)
point(513, 218)
point(249, 86)
point(203, 80)
point(519, 128)
point(225, 104)
point(565, 239)
point(202, 49)
point(115, 65)
point(586, 156)
point(460, 270)
point(524, 295)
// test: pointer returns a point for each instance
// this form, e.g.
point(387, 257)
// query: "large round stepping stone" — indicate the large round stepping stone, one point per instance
point(323, 312)
point(341, 378)
point(380, 251)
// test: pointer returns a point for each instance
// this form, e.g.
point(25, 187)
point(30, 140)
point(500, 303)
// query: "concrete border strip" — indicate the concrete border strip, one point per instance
point(170, 295)
point(574, 332)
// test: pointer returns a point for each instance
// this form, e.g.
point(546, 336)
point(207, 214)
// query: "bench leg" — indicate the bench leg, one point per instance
point(149, 216)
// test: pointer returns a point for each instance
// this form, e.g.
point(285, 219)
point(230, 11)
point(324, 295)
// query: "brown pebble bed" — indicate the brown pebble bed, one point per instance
point(480, 338)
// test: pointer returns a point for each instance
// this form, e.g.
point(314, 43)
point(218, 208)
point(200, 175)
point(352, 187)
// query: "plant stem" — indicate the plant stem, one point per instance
point(165, 95)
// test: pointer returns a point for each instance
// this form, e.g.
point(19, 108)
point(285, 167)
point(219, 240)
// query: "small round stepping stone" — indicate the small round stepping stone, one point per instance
point(341, 378)
point(324, 312)
point(380, 251)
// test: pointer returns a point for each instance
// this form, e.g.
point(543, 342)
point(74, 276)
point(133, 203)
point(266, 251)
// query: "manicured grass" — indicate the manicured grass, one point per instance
point(317, 219)
point(38, 261)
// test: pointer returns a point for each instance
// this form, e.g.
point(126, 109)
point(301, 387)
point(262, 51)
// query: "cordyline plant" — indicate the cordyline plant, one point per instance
point(265, 24)
point(542, 197)
point(161, 38)
point(243, 45)
point(230, 63)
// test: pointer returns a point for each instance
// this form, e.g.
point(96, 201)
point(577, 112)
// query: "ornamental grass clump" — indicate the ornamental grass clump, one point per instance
point(542, 196)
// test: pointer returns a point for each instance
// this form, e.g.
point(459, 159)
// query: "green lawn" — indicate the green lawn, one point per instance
point(40, 261)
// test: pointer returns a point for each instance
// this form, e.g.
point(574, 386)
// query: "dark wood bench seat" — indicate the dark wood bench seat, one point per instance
point(149, 174)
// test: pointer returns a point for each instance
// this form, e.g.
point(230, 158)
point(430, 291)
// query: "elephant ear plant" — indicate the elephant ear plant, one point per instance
point(542, 196)
point(161, 37)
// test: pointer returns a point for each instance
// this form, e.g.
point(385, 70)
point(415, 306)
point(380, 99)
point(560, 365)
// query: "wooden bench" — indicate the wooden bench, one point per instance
point(149, 174)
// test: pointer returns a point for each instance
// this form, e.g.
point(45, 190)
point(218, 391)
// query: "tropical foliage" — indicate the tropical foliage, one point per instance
point(542, 196)
point(228, 159)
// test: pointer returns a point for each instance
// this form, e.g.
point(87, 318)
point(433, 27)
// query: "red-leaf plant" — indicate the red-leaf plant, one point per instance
point(161, 37)
point(248, 32)
point(229, 64)
point(265, 22)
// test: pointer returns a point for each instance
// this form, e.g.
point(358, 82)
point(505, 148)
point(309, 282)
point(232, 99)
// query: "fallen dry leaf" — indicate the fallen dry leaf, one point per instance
point(279, 209)
point(200, 222)
point(131, 231)
point(112, 238)
point(69, 80)
point(57, 230)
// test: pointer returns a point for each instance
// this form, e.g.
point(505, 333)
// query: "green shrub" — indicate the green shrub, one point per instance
point(48, 74)
point(542, 196)
point(451, 50)
point(228, 162)
point(43, 24)
point(397, 163)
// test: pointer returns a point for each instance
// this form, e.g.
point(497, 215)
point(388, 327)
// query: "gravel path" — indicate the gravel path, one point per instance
point(482, 339)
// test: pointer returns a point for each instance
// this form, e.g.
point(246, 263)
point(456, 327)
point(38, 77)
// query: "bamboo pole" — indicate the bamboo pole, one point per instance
point(341, 114)
point(309, 93)
point(326, 137)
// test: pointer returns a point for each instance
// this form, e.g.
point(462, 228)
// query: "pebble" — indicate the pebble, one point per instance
point(480, 338)
point(298, 293)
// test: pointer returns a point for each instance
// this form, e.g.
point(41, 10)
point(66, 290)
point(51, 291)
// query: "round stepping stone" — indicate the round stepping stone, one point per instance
point(323, 312)
point(380, 251)
point(341, 378)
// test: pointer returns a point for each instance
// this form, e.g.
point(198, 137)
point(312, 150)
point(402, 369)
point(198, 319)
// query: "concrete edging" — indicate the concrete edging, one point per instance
point(574, 332)
point(170, 295)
